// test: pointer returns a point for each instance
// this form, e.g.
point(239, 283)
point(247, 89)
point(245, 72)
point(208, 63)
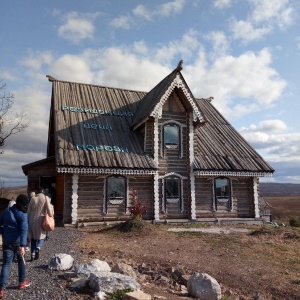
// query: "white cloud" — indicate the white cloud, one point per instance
point(35, 59)
point(141, 12)
point(222, 3)
point(73, 68)
point(245, 31)
point(124, 22)
point(271, 126)
point(278, 12)
point(274, 137)
point(170, 8)
point(248, 77)
point(264, 17)
point(164, 10)
point(76, 27)
point(220, 42)
point(281, 148)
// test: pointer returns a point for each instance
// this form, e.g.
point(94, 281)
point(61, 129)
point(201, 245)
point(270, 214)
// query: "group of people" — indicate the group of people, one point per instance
point(20, 224)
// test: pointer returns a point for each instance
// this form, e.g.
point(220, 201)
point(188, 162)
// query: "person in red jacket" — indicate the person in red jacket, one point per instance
point(14, 228)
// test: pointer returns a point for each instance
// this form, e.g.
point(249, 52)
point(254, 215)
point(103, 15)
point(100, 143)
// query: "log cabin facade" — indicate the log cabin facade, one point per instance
point(178, 153)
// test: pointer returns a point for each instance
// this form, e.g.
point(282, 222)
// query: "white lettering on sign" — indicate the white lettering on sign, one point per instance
point(101, 148)
point(97, 126)
point(97, 111)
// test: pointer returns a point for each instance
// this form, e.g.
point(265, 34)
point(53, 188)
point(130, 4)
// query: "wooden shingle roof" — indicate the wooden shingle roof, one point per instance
point(93, 127)
point(222, 148)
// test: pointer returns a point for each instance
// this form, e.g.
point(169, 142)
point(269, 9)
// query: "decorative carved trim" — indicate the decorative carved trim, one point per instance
point(172, 174)
point(93, 171)
point(127, 196)
point(114, 201)
point(230, 173)
point(156, 140)
point(74, 205)
point(214, 196)
point(156, 197)
point(255, 194)
point(192, 176)
point(177, 82)
point(163, 200)
point(104, 198)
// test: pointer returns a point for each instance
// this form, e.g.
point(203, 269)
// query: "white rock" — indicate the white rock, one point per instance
point(108, 282)
point(203, 286)
point(61, 261)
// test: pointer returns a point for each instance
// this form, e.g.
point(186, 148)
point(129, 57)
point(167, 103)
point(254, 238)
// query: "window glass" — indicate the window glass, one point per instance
point(172, 187)
point(222, 188)
point(171, 134)
point(115, 188)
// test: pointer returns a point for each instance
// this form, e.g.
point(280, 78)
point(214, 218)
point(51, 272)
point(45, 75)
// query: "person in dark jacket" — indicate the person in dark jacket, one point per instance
point(14, 228)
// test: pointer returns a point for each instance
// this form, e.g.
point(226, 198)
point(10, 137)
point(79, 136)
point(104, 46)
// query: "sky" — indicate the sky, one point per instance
point(244, 53)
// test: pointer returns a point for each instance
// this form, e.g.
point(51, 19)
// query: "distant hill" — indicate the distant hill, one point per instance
point(278, 189)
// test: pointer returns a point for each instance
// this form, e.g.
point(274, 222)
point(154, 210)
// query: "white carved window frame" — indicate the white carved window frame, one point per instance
point(106, 200)
point(164, 200)
point(162, 139)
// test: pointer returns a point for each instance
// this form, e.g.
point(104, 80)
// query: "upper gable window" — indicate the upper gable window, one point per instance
point(171, 135)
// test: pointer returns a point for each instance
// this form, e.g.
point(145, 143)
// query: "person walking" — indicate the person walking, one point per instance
point(38, 206)
point(14, 228)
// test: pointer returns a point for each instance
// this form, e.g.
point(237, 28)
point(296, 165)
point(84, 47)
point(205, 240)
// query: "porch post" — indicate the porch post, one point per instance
point(255, 192)
point(192, 176)
point(156, 176)
point(74, 198)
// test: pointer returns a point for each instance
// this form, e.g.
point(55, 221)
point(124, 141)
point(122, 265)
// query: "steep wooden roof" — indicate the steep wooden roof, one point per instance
point(222, 148)
point(152, 99)
point(93, 127)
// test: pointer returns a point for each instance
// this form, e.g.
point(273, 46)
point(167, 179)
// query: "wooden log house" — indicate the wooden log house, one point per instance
point(178, 153)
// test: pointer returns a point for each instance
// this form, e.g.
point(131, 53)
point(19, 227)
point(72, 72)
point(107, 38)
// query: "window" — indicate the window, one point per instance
point(222, 192)
point(172, 188)
point(171, 135)
point(222, 188)
point(116, 188)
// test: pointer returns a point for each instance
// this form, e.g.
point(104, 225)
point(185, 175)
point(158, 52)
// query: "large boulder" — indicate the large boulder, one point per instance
point(108, 282)
point(95, 265)
point(204, 287)
point(61, 261)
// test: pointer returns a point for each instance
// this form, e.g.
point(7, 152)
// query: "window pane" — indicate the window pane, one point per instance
point(115, 187)
point(222, 187)
point(171, 134)
point(172, 188)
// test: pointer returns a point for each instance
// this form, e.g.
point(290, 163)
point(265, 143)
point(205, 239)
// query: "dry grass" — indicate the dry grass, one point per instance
point(283, 208)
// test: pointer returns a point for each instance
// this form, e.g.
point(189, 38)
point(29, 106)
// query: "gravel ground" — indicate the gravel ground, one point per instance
point(44, 283)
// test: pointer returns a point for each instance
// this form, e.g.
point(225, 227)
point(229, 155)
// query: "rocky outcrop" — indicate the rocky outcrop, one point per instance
point(104, 280)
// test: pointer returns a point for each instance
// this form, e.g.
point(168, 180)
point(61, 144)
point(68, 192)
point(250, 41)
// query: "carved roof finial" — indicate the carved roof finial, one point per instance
point(179, 66)
point(50, 78)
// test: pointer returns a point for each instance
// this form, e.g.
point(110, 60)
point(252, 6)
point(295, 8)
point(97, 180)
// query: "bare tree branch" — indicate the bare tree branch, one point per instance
point(9, 124)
